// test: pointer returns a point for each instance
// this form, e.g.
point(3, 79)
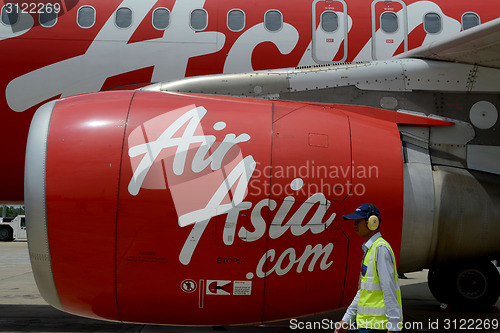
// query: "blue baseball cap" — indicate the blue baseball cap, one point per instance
point(363, 212)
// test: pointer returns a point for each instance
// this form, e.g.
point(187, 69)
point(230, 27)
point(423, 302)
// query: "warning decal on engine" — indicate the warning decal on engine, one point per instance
point(242, 288)
point(226, 287)
point(219, 287)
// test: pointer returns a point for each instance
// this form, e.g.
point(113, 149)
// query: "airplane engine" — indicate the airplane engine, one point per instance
point(184, 209)
point(205, 210)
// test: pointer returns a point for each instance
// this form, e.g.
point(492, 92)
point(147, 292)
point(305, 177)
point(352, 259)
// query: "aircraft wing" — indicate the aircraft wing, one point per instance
point(479, 46)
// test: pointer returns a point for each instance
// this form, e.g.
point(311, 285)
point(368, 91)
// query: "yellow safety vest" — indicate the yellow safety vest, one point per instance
point(371, 306)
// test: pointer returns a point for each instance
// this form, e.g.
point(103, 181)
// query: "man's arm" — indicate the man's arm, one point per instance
point(349, 316)
point(352, 310)
point(385, 270)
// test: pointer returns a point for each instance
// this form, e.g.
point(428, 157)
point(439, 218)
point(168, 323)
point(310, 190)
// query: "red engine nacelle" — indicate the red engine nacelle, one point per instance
point(187, 209)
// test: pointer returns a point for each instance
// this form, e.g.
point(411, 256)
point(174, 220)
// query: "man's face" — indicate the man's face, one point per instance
point(361, 228)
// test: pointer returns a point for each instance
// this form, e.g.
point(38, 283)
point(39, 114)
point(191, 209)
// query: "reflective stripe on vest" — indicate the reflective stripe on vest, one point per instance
point(371, 306)
point(371, 311)
point(370, 286)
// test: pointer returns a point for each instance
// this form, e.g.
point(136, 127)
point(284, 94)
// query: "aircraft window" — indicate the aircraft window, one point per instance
point(389, 22)
point(123, 17)
point(236, 20)
point(432, 23)
point(199, 19)
point(10, 14)
point(273, 20)
point(470, 20)
point(86, 16)
point(329, 21)
point(161, 18)
point(48, 17)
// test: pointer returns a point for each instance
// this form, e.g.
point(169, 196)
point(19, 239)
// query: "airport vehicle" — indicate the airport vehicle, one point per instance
point(12, 228)
point(246, 194)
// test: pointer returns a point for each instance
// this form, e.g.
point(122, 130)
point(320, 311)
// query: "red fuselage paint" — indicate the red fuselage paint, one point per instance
point(44, 63)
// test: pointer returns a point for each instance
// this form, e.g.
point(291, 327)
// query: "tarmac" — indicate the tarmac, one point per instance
point(22, 309)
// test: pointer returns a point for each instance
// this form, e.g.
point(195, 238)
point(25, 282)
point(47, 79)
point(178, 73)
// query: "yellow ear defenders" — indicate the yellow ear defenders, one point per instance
point(373, 221)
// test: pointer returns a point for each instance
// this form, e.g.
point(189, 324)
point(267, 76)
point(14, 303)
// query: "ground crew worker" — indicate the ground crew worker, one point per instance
point(377, 306)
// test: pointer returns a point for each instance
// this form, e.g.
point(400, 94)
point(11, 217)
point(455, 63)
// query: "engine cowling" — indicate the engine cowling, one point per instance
point(166, 208)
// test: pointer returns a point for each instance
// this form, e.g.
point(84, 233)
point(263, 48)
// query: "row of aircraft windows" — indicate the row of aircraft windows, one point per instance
point(273, 19)
point(86, 18)
point(389, 22)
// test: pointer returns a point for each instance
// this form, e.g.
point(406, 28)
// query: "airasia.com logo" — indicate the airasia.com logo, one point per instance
point(208, 177)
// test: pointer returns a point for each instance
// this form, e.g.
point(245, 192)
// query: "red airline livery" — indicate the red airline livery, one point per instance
point(95, 45)
point(190, 160)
